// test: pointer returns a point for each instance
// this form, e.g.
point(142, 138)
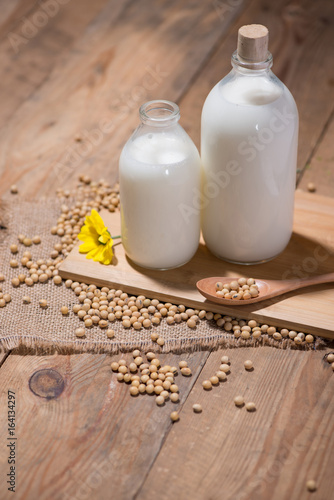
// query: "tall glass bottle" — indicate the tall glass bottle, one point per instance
point(159, 172)
point(249, 136)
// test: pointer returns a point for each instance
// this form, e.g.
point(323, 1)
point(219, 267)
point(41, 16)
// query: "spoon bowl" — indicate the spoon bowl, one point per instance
point(267, 288)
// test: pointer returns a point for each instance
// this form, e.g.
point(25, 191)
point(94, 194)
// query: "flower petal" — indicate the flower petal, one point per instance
point(94, 252)
point(95, 220)
point(87, 246)
point(89, 231)
point(106, 255)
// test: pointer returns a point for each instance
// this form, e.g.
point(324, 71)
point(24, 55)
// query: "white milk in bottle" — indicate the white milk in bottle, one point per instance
point(159, 171)
point(249, 136)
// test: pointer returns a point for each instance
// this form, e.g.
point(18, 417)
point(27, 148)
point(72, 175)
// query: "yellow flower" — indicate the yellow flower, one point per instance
point(97, 240)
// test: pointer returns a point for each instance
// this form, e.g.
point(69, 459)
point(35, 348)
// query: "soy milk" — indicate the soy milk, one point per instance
point(249, 136)
point(159, 170)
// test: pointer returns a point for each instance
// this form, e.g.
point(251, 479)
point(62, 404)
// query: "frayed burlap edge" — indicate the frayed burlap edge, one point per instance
point(37, 345)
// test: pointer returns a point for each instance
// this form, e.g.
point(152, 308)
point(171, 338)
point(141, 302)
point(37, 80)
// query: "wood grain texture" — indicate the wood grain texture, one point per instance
point(310, 252)
point(92, 438)
point(154, 49)
point(34, 41)
point(301, 41)
point(101, 60)
point(227, 452)
point(320, 170)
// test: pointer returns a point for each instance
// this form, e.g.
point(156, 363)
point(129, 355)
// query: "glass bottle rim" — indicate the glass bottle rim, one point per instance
point(159, 112)
point(266, 64)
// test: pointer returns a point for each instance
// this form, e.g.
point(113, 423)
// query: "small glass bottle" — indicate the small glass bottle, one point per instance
point(160, 173)
point(249, 136)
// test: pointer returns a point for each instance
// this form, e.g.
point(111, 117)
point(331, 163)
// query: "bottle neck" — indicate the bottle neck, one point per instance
point(159, 113)
point(244, 67)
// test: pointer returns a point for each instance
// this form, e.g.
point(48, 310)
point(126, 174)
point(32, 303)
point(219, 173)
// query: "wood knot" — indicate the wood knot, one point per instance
point(47, 383)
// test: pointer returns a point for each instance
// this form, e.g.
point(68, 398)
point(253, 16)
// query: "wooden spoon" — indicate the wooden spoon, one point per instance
point(267, 288)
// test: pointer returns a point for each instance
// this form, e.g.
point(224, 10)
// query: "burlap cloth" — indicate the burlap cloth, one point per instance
point(28, 326)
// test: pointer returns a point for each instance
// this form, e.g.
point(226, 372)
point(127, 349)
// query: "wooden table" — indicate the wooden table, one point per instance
point(73, 67)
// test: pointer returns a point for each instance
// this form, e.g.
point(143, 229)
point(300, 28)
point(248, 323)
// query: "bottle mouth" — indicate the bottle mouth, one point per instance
point(159, 113)
point(243, 63)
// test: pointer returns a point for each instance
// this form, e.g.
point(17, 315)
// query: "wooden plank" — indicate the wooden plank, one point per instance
point(320, 170)
point(310, 252)
point(37, 40)
point(96, 91)
point(300, 40)
point(227, 452)
point(89, 437)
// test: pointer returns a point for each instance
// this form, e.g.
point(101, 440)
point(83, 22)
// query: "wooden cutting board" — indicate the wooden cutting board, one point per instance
point(310, 252)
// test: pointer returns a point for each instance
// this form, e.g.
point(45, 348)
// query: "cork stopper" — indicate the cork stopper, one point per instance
point(253, 43)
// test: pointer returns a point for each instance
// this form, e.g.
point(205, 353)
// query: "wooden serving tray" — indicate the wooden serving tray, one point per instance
point(310, 252)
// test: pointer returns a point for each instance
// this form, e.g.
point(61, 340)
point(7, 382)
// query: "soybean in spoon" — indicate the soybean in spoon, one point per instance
point(267, 288)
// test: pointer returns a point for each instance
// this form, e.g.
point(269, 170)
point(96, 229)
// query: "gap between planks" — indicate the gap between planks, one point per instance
point(314, 168)
point(238, 9)
point(194, 377)
point(3, 357)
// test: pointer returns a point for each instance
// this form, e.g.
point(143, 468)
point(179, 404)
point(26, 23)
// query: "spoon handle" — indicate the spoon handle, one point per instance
point(314, 280)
